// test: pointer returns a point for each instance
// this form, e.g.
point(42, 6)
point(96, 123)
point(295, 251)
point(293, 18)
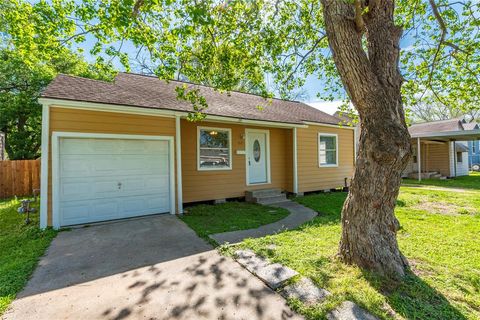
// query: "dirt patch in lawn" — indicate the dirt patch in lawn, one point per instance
point(445, 208)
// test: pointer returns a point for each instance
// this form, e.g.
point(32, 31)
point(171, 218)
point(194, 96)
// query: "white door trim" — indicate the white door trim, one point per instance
point(44, 167)
point(267, 143)
point(178, 147)
point(56, 136)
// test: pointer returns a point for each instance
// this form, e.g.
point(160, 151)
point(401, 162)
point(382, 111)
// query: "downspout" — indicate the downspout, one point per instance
point(295, 171)
point(419, 160)
point(455, 157)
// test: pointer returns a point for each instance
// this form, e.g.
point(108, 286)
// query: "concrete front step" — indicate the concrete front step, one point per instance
point(271, 199)
point(262, 193)
point(426, 175)
point(265, 196)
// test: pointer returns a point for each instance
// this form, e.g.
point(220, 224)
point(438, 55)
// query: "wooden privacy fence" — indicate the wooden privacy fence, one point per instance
point(19, 177)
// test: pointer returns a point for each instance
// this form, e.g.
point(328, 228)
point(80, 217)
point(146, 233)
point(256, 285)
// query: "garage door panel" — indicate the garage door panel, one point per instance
point(145, 204)
point(104, 210)
point(100, 180)
point(73, 167)
point(158, 182)
point(73, 189)
point(154, 202)
point(76, 146)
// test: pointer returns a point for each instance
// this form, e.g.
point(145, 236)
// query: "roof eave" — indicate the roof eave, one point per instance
point(453, 135)
point(107, 107)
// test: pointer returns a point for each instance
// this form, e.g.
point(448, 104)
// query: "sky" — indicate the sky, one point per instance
point(312, 84)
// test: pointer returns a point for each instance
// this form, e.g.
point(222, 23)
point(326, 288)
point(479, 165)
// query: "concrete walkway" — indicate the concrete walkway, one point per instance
point(298, 216)
point(149, 268)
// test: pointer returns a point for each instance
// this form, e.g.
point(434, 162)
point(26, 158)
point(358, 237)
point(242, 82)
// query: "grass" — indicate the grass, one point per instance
point(471, 181)
point(440, 235)
point(230, 216)
point(21, 246)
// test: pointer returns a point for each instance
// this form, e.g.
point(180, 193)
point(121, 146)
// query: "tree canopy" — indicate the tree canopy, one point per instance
point(21, 81)
point(239, 44)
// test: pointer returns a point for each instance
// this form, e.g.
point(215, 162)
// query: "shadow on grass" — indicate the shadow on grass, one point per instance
point(413, 298)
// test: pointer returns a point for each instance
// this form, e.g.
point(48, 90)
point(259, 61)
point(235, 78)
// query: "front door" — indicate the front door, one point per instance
point(257, 156)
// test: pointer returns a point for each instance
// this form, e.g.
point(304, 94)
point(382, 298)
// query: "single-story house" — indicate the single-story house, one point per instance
point(440, 148)
point(125, 148)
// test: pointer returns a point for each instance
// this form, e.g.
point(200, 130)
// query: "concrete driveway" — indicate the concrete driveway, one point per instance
point(148, 268)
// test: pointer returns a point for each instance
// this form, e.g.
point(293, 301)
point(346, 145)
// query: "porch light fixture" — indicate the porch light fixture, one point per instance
point(213, 133)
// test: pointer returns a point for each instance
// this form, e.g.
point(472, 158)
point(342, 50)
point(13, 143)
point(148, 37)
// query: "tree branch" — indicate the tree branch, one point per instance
point(309, 52)
point(359, 23)
point(443, 28)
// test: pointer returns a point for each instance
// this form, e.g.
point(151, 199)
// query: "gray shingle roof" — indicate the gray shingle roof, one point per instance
point(150, 92)
point(470, 126)
point(436, 126)
point(460, 147)
point(442, 126)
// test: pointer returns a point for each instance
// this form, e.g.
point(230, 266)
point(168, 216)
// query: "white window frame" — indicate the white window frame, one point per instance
point(459, 159)
point(320, 134)
point(229, 148)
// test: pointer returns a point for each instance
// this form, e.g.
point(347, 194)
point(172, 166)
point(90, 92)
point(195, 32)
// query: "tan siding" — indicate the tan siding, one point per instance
point(311, 177)
point(71, 120)
point(210, 185)
point(435, 157)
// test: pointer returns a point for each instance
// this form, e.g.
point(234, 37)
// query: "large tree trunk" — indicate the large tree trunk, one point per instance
point(373, 82)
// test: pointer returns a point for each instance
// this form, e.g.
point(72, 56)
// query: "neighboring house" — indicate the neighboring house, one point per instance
point(443, 148)
point(125, 149)
point(2, 146)
point(473, 146)
point(473, 153)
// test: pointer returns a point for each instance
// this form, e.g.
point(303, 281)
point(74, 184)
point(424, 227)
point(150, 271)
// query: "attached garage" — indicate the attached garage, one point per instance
point(100, 177)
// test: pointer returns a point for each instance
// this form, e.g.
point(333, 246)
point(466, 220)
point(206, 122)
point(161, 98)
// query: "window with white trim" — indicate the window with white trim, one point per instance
point(327, 150)
point(214, 149)
point(459, 157)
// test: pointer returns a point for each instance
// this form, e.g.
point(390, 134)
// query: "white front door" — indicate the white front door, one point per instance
point(106, 179)
point(257, 156)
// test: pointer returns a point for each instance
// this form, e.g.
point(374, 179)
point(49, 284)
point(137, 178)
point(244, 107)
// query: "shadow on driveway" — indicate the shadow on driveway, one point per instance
point(150, 268)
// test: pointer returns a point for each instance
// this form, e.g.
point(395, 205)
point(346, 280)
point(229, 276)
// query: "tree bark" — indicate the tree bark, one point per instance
point(372, 79)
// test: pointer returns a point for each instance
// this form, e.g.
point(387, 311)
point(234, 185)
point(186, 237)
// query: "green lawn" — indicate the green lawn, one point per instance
point(230, 216)
point(440, 236)
point(471, 181)
point(20, 248)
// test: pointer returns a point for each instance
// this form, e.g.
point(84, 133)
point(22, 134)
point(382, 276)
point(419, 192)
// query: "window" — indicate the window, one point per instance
point(327, 150)
point(214, 149)
point(459, 157)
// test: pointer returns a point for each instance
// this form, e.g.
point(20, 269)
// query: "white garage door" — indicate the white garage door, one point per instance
point(106, 179)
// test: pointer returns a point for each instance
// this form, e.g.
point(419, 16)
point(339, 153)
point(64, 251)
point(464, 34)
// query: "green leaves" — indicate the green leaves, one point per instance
point(21, 81)
point(262, 46)
point(198, 101)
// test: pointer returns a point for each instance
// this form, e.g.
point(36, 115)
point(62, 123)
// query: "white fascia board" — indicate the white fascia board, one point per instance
point(318, 124)
point(82, 105)
point(446, 134)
